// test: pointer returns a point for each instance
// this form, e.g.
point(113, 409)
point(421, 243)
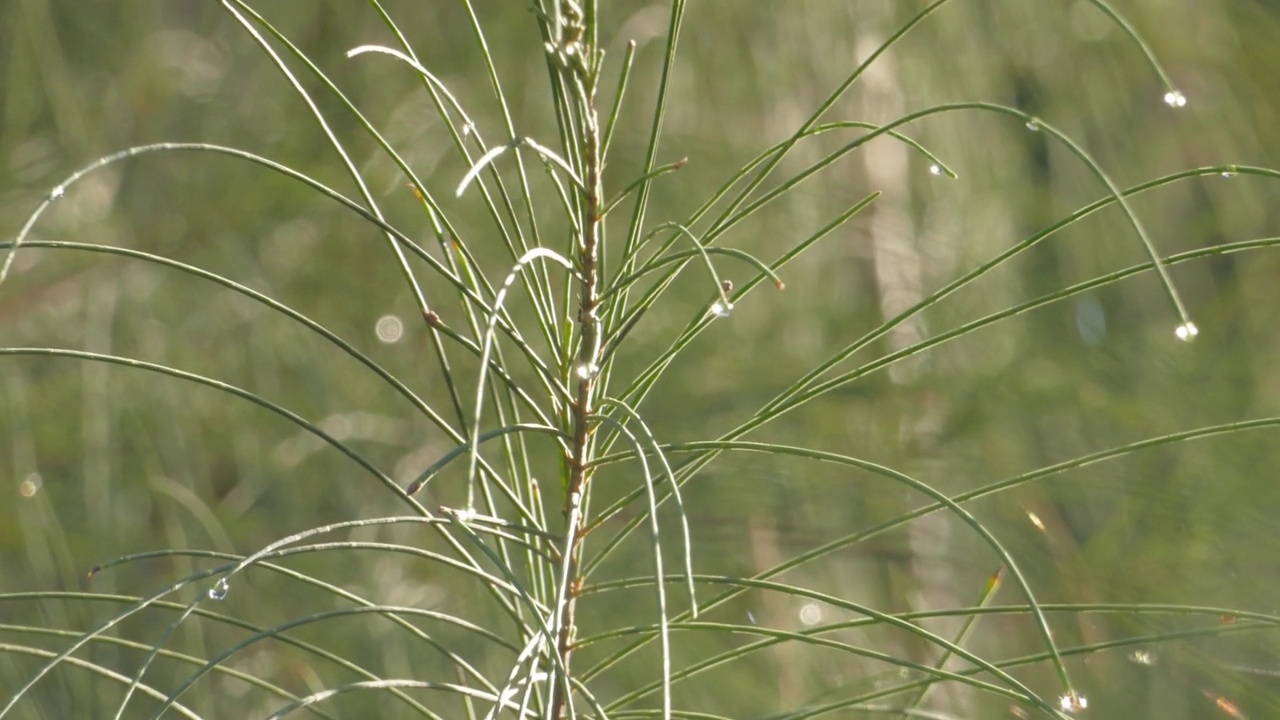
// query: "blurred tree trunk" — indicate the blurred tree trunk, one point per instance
point(926, 581)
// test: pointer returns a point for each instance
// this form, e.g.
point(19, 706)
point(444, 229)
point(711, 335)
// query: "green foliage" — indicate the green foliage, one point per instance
point(605, 469)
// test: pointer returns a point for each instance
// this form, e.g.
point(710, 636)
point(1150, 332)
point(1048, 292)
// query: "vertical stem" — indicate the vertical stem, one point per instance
point(578, 59)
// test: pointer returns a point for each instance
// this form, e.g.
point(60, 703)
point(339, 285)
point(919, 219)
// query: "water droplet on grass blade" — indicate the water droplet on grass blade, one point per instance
point(935, 169)
point(721, 309)
point(57, 192)
point(220, 590)
point(1033, 125)
point(1187, 331)
point(1175, 99)
point(1073, 702)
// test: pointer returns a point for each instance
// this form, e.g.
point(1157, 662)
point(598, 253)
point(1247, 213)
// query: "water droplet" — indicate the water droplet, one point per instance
point(721, 308)
point(57, 192)
point(585, 372)
point(220, 590)
point(1073, 702)
point(1187, 331)
point(1230, 172)
point(389, 329)
point(935, 169)
point(1033, 125)
point(1175, 99)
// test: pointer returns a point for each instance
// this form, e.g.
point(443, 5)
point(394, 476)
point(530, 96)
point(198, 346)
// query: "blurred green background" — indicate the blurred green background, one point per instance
point(99, 461)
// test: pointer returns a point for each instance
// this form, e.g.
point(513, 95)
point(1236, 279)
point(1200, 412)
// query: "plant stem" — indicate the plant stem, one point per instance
point(578, 59)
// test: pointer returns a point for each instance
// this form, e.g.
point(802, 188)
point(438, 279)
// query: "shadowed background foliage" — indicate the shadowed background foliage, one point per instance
point(98, 461)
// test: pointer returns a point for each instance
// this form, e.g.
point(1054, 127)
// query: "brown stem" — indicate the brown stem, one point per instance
point(585, 372)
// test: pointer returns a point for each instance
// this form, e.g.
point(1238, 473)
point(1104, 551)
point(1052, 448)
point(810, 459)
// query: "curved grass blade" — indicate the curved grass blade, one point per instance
point(57, 659)
point(508, 328)
point(1019, 309)
point(670, 477)
point(970, 621)
point(771, 637)
point(546, 630)
point(657, 264)
point(531, 356)
point(655, 128)
point(277, 631)
point(334, 142)
point(730, 220)
point(619, 94)
point(660, 588)
point(247, 678)
point(645, 380)
point(479, 166)
point(1129, 30)
point(95, 669)
point(1012, 686)
point(387, 684)
point(939, 498)
point(486, 349)
point(1083, 461)
point(776, 158)
point(279, 410)
point(152, 654)
point(543, 302)
point(266, 300)
point(760, 418)
point(425, 476)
